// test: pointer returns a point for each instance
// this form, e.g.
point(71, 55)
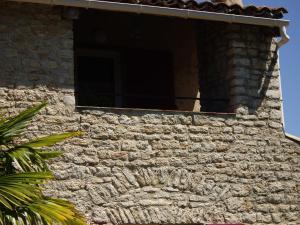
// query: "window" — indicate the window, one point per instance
point(138, 61)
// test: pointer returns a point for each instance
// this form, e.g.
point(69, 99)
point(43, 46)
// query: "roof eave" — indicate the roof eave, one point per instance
point(292, 137)
point(164, 11)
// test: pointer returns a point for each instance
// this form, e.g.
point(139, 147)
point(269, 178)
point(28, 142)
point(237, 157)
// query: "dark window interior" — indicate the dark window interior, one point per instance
point(148, 80)
point(137, 61)
point(139, 79)
point(95, 81)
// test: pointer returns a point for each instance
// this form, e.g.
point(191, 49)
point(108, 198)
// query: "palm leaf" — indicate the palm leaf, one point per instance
point(50, 140)
point(28, 157)
point(14, 126)
point(49, 154)
point(48, 211)
point(25, 159)
point(18, 189)
point(23, 170)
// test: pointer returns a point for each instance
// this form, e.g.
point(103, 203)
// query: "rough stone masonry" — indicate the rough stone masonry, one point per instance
point(155, 167)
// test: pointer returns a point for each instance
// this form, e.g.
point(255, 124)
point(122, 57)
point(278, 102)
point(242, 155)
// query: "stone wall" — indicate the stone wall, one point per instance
point(155, 167)
point(238, 68)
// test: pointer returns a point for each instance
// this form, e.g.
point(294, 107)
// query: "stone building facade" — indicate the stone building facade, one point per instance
point(152, 166)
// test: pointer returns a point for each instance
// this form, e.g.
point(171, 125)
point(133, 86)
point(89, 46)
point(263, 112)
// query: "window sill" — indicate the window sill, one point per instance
point(118, 110)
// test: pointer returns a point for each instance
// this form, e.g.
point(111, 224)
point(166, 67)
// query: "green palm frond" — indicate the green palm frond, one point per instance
point(49, 154)
point(25, 159)
point(50, 140)
point(30, 157)
point(14, 126)
point(47, 211)
point(23, 170)
point(19, 189)
point(57, 210)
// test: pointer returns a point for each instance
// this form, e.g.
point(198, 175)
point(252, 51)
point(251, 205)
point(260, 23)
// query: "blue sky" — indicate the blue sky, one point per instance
point(289, 62)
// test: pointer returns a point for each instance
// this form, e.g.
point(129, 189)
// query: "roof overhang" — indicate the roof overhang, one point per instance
point(164, 11)
point(292, 137)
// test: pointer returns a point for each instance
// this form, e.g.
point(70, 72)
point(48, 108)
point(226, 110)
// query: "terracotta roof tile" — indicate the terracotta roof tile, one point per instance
point(207, 6)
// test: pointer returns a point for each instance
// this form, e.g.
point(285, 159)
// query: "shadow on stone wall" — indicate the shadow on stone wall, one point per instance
point(264, 79)
point(36, 47)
